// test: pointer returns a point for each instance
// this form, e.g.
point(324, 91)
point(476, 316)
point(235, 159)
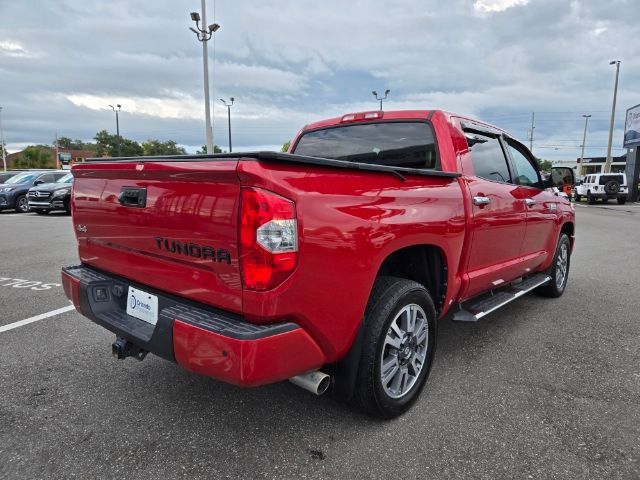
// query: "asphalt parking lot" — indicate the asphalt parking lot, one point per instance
point(540, 389)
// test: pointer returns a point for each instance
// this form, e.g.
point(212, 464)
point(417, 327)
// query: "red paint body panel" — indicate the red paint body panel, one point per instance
point(349, 222)
point(246, 363)
point(190, 202)
point(349, 225)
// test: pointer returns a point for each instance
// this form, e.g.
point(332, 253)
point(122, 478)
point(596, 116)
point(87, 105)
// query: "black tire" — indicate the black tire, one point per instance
point(389, 297)
point(576, 197)
point(555, 288)
point(22, 204)
point(611, 187)
point(590, 199)
point(605, 199)
point(42, 212)
point(622, 200)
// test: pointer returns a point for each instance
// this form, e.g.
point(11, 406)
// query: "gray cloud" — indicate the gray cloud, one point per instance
point(290, 63)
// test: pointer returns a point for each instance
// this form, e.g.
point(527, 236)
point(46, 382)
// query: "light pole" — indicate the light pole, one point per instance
point(584, 140)
point(386, 94)
point(204, 35)
point(4, 155)
point(607, 165)
point(228, 105)
point(118, 127)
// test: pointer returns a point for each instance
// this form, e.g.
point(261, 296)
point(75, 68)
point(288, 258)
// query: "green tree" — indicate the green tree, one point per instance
point(203, 150)
point(285, 146)
point(544, 164)
point(66, 142)
point(156, 147)
point(35, 156)
point(107, 143)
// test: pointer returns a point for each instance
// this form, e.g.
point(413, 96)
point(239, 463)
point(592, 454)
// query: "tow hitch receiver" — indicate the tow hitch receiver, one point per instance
point(122, 349)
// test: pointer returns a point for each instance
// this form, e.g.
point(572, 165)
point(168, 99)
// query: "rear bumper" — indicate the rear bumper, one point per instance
point(200, 339)
point(609, 195)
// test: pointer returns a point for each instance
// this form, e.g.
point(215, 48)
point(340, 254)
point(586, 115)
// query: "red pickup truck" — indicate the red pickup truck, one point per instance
point(328, 265)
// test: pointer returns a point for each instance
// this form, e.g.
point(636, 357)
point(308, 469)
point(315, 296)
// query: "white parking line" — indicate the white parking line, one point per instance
point(42, 316)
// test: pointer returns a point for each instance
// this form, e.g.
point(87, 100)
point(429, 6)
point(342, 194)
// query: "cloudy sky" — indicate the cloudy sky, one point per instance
point(290, 63)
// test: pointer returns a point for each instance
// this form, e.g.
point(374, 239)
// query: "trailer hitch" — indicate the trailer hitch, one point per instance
point(122, 348)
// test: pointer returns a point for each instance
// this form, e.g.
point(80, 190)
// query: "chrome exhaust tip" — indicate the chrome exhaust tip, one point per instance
point(315, 382)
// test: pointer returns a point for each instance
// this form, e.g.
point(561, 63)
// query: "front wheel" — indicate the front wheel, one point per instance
point(577, 197)
point(22, 204)
point(398, 347)
point(559, 270)
point(590, 199)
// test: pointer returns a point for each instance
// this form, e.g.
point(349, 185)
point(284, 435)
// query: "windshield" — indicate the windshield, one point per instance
point(400, 144)
point(22, 178)
point(68, 178)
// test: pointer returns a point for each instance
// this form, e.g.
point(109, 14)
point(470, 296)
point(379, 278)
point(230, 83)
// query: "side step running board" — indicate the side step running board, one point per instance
point(475, 312)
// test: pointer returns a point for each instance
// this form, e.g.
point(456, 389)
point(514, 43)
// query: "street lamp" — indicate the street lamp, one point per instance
point(584, 139)
point(228, 105)
point(118, 127)
point(386, 94)
point(4, 154)
point(607, 165)
point(204, 35)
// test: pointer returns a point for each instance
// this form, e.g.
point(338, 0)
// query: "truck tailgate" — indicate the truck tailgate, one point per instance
point(172, 225)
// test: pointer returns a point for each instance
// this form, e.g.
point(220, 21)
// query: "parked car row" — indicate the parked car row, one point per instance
point(41, 191)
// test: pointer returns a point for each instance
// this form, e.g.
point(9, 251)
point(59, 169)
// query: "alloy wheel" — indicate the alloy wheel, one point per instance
point(404, 351)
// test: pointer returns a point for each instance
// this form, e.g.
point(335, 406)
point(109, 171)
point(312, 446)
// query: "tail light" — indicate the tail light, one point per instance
point(354, 117)
point(268, 238)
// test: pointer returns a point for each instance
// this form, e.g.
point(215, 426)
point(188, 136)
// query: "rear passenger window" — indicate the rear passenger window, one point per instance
point(48, 178)
point(526, 173)
point(488, 158)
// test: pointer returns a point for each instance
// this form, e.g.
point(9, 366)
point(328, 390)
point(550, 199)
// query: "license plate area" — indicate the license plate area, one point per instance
point(142, 305)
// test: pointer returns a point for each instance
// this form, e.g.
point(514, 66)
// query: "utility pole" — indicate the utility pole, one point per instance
point(228, 105)
point(607, 165)
point(386, 94)
point(584, 140)
point(533, 126)
point(204, 35)
point(57, 154)
point(118, 128)
point(4, 154)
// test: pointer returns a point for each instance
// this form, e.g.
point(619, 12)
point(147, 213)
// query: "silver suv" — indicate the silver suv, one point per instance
point(603, 186)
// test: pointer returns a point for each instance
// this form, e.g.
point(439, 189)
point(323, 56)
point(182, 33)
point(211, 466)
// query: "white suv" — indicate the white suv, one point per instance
point(604, 186)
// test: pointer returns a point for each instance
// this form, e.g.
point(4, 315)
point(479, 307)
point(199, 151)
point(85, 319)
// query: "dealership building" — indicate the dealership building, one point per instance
point(594, 164)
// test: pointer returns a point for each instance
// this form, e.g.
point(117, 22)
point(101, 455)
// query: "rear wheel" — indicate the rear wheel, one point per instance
point(398, 347)
point(559, 270)
point(622, 200)
point(22, 204)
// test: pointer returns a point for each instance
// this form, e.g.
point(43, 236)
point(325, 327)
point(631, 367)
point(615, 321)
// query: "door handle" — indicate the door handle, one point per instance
point(480, 200)
point(530, 202)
